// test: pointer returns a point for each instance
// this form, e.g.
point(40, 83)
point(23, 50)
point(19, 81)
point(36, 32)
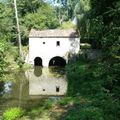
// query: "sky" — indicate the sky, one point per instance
point(53, 2)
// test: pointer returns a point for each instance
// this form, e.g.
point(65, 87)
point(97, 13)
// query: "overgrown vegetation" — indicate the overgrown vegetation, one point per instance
point(89, 83)
point(3, 64)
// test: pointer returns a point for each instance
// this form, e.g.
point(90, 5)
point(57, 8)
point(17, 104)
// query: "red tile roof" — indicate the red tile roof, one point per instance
point(53, 33)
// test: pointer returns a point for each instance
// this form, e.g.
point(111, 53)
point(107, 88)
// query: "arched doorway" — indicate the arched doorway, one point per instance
point(57, 61)
point(38, 61)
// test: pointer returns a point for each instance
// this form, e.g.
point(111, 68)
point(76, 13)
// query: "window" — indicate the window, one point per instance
point(57, 89)
point(58, 43)
point(43, 89)
point(43, 42)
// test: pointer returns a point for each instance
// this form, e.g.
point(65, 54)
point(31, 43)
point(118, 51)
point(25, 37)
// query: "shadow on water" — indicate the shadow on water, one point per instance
point(30, 87)
point(57, 71)
point(1, 88)
point(37, 71)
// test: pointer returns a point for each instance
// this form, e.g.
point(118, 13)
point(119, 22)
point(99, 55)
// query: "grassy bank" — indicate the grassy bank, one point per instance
point(13, 59)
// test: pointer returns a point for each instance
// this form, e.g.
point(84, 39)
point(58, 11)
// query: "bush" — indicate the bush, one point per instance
point(13, 113)
point(85, 113)
point(48, 104)
point(67, 25)
point(91, 113)
point(65, 101)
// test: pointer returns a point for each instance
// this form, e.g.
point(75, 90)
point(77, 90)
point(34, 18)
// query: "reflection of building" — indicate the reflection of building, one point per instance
point(46, 84)
point(50, 46)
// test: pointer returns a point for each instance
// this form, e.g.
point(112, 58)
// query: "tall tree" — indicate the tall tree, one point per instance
point(28, 6)
point(104, 34)
point(18, 31)
point(44, 18)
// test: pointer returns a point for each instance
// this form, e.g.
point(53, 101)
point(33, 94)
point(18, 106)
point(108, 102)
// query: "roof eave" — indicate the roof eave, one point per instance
point(54, 37)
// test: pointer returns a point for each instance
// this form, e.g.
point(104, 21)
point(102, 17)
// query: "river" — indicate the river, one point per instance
point(29, 87)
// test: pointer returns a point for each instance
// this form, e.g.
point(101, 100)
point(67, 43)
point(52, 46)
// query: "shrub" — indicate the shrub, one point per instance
point(91, 113)
point(13, 113)
point(48, 104)
point(65, 101)
point(85, 113)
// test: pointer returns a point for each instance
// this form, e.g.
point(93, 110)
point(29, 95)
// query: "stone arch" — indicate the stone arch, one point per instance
point(57, 61)
point(38, 61)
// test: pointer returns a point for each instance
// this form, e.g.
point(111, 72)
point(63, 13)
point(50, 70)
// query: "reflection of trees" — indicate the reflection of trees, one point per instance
point(1, 87)
point(57, 71)
point(20, 87)
point(37, 71)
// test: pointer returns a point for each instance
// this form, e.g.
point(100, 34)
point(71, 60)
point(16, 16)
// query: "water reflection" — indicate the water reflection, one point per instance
point(28, 88)
point(47, 81)
point(57, 71)
point(38, 81)
point(37, 71)
point(5, 87)
point(1, 88)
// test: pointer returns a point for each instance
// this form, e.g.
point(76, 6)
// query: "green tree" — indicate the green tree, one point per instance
point(100, 26)
point(97, 20)
point(82, 12)
point(6, 22)
point(65, 9)
point(44, 18)
point(3, 63)
point(28, 6)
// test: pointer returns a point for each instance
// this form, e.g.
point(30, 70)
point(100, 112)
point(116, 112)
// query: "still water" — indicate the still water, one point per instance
point(28, 87)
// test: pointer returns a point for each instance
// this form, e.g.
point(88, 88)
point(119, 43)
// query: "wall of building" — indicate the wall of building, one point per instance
point(47, 48)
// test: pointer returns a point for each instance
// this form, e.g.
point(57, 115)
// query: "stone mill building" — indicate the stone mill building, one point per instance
point(52, 47)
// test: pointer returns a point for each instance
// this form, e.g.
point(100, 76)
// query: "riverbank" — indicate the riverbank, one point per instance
point(13, 60)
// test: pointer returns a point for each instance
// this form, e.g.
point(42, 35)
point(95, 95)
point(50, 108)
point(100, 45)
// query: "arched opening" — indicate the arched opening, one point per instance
point(57, 61)
point(38, 61)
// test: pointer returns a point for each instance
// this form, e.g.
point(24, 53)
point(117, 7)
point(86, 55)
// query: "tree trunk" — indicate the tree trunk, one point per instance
point(18, 31)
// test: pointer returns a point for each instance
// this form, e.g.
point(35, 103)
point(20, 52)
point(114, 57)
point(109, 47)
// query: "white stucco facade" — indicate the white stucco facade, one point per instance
point(48, 47)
